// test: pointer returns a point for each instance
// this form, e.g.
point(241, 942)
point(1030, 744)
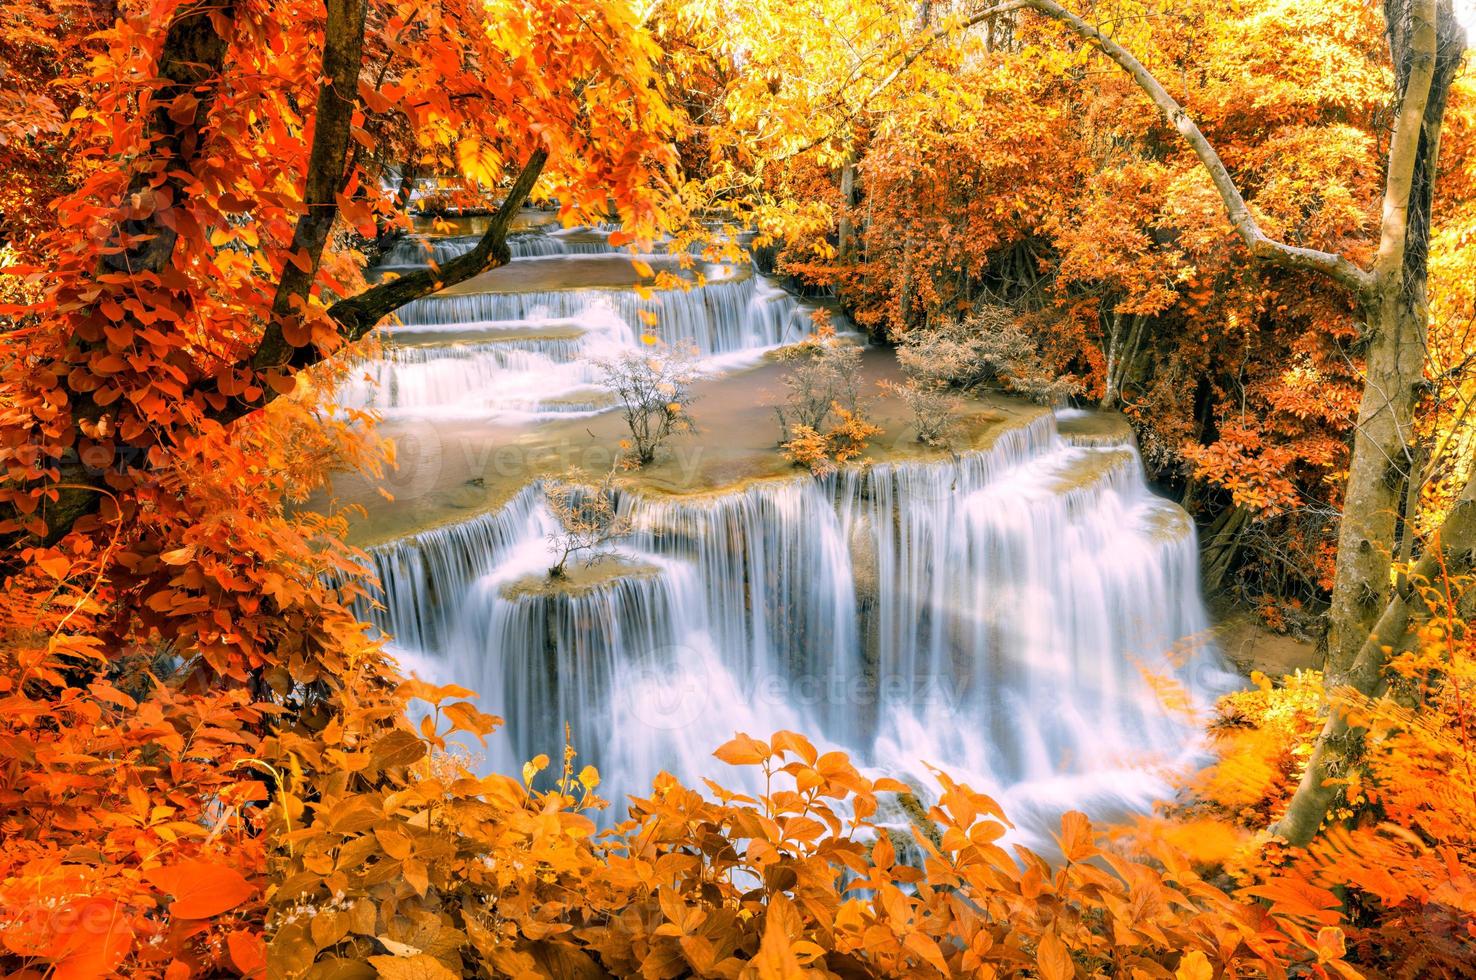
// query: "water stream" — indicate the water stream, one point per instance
point(997, 614)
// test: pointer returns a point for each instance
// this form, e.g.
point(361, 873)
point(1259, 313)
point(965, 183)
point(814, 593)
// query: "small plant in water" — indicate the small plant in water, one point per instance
point(587, 514)
point(826, 373)
point(654, 388)
point(935, 410)
point(820, 422)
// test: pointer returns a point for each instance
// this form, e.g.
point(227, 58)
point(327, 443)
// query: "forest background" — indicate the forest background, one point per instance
point(1251, 227)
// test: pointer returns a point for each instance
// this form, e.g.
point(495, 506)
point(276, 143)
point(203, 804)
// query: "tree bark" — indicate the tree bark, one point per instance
point(1451, 553)
point(357, 315)
point(847, 195)
point(343, 57)
point(189, 64)
point(1426, 57)
point(189, 67)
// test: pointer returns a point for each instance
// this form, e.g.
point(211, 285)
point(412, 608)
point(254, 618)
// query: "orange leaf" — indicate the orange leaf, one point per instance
point(56, 566)
point(1076, 836)
point(201, 889)
point(743, 750)
point(1053, 960)
point(179, 556)
point(102, 939)
point(1194, 966)
point(248, 952)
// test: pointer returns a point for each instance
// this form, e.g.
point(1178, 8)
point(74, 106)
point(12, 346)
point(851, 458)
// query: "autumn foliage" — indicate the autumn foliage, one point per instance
point(207, 761)
point(1085, 216)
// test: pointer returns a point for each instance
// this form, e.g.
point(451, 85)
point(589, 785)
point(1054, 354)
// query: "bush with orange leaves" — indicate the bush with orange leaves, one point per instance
point(1391, 871)
point(394, 860)
point(394, 855)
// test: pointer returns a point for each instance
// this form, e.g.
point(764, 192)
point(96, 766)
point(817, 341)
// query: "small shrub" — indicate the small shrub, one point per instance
point(826, 373)
point(935, 410)
point(589, 520)
point(654, 388)
point(986, 349)
point(822, 451)
point(820, 421)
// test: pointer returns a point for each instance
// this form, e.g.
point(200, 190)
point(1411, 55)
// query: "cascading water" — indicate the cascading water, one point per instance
point(991, 616)
point(1000, 614)
point(537, 351)
point(413, 251)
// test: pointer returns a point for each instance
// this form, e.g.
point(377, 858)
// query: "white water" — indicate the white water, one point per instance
point(536, 352)
point(412, 251)
point(992, 615)
point(970, 615)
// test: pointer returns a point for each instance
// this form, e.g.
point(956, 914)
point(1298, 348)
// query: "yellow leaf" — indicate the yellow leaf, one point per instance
point(420, 967)
point(478, 160)
point(531, 769)
point(1194, 966)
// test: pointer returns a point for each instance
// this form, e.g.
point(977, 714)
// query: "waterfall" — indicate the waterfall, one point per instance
point(718, 318)
point(524, 366)
point(1003, 613)
point(413, 251)
point(537, 352)
point(992, 614)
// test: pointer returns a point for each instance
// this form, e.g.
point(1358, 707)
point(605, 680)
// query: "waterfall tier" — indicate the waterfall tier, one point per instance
point(413, 251)
point(508, 344)
point(992, 614)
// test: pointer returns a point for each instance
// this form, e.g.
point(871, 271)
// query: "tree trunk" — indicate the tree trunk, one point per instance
point(1377, 473)
point(1451, 554)
point(1223, 542)
point(1426, 55)
point(1427, 46)
point(1369, 617)
point(847, 195)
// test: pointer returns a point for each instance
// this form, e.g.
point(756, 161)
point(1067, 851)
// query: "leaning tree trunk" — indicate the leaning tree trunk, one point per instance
point(1426, 47)
point(1336, 751)
point(1377, 472)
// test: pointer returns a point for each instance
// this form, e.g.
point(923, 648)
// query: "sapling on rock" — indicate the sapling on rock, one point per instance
point(589, 520)
point(826, 373)
point(654, 389)
point(935, 409)
point(821, 422)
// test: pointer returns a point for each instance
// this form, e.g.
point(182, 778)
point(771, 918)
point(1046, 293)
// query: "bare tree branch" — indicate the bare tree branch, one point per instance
point(357, 315)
